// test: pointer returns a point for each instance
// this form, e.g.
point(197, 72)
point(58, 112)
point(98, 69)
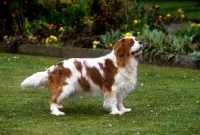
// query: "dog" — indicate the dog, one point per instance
point(111, 76)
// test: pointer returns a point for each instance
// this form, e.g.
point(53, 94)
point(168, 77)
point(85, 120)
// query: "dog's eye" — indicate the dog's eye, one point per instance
point(132, 41)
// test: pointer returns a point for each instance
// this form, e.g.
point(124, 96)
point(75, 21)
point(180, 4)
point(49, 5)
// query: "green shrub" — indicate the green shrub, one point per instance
point(196, 57)
point(191, 29)
point(160, 45)
point(126, 16)
point(110, 38)
point(140, 15)
point(107, 14)
point(56, 12)
point(68, 13)
point(31, 28)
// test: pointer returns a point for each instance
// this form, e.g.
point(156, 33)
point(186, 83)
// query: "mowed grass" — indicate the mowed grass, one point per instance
point(190, 7)
point(166, 101)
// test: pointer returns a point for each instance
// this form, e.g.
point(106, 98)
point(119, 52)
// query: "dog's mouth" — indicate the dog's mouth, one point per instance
point(139, 51)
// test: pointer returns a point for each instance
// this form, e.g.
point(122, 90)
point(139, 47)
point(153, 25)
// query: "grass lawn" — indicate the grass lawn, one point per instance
point(166, 101)
point(190, 8)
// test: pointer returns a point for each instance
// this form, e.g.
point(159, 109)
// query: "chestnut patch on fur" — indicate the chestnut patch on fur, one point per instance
point(78, 65)
point(104, 82)
point(95, 75)
point(57, 81)
point(85, 85)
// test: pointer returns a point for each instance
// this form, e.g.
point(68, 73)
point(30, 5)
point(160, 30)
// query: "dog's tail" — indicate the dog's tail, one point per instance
point(36, 80)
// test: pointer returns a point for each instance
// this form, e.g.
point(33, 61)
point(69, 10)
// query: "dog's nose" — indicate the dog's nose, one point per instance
point(140, 43)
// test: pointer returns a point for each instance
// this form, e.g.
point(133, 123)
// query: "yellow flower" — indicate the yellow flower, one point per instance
point(180, 11)
point(47, 40)
point(182, 15)
point(168, 15)
point(94, 46)
point(138, 33)
point(110, 45)
point(96, 42)
point(61, 29)
point(34, 38)
point(156, 6)
point(193, 24)
point(128, 34)
point(135, 22)
point(54, 38)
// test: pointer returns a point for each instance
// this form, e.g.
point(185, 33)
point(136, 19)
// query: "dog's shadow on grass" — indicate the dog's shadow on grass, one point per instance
point(86, 106)
point(84, 110)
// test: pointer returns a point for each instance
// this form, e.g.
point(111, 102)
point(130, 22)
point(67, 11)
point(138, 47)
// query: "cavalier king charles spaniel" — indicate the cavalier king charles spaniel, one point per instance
point(111, 76)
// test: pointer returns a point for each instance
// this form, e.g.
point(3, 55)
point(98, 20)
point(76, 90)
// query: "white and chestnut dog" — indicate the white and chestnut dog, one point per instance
point(111, 76)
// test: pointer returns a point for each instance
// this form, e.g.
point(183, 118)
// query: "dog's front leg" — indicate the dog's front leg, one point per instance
point(110, 102)
point(120, 105)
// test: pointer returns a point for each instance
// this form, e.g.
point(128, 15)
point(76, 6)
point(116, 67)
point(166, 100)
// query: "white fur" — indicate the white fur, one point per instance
point(36, 80)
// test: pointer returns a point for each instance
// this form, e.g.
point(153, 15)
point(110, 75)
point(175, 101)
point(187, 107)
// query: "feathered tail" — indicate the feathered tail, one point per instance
point(36, 80)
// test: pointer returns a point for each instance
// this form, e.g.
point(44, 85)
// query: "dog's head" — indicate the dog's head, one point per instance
point(126, 48)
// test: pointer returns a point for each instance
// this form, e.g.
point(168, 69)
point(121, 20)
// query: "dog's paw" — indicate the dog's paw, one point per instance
point(117, 112)
point(126, 110)
point(59, 106)
point(57, 113)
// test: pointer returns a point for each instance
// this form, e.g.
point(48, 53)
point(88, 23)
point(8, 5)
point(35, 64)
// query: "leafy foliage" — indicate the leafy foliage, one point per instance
point(107, 14)
point(158, 44)
point(122, 14)
point(196, 56)
point(110, 38)
point(146, 16)
point(192, 30)
point(34, 13)
point(31, 28)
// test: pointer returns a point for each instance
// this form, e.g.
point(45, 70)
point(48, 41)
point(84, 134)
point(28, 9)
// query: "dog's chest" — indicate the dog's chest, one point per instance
point(126, 79)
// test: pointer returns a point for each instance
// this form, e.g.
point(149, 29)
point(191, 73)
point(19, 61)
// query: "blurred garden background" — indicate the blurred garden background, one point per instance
point(168, 28)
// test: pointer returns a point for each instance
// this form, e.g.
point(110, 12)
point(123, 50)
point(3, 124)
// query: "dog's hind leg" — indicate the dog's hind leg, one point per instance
point(59, 95)
point(56, 97)
point(54, 110)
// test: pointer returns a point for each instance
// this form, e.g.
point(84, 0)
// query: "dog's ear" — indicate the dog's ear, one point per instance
point(122, 51)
